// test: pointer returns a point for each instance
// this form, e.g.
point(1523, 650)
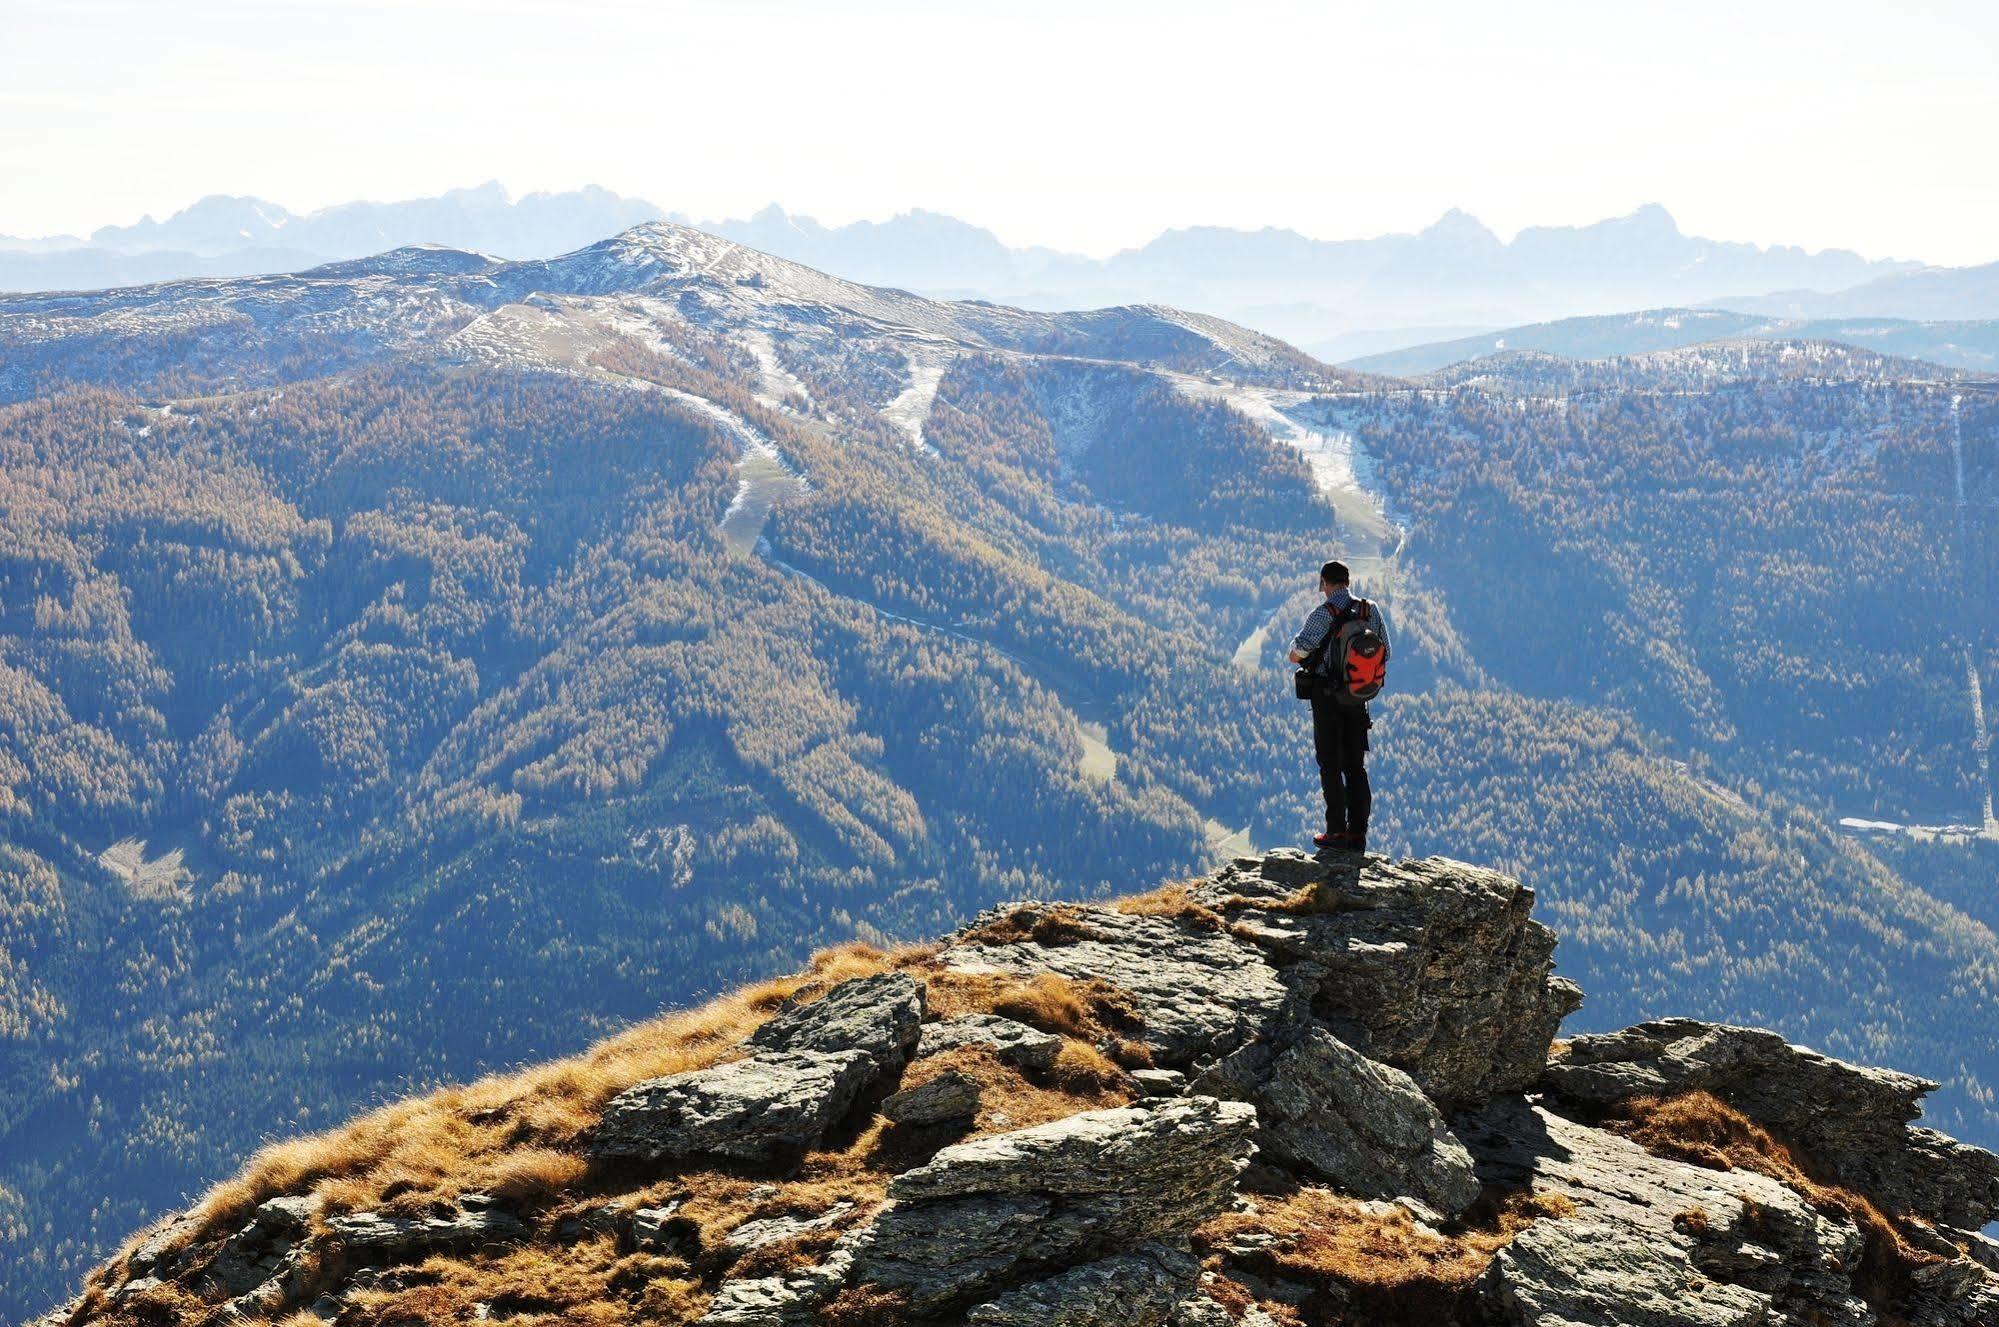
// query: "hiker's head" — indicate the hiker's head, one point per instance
point(1333, 575)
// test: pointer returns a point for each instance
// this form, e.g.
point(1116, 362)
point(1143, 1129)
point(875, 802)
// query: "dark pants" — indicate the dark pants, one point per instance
point(1339, 739)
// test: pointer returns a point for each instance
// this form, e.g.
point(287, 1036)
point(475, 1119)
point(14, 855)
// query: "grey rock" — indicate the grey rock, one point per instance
point(164, 1251)
point(1081, 1186)
point(1432, 966)
point(807, 1068)
point(1980, 1248)
point(769, 1107)
point(1198, 1310)
point(879, 1015)
point(951, 1095)
point(1012, 1041)
point(662, 1228)
point(753, 1235)
point(1159, 1082)
point(1635, 1254)
point(1199, 992)
point(1850, 1120)
point(1959, 1292)
point(1138, 1289)
point(374, 1237)
point(1172, 1161)
point(254, 1254)
point(1364, 1127)
point(981, 1213)
point(778, 1301)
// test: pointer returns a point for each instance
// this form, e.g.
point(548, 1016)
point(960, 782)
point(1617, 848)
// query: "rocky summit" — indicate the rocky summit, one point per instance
point(1294, 1092)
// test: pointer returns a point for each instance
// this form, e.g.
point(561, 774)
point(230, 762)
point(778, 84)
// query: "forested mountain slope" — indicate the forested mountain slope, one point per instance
point(418, 663)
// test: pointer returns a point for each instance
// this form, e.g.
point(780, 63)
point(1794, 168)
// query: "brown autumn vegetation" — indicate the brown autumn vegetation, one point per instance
point(515, 1138)
point(1700, 1128)
point(1373, 1257)
point(1173, 901)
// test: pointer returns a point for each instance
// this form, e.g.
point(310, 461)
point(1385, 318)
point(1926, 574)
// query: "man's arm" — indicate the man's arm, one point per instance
point(1308, 638)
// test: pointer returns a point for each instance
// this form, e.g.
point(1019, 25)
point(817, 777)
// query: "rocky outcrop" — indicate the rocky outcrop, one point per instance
point(980, 1212)
point(1431, 966)
point(1200, 993)
point(951, 1095)
point(1350, 1115)
point(1655, 1242)
point(370, 1237)
point(764, 1108)
point(1852, 1121)
point(879, 1016)
point(1331, 1112)
point(1139, 1289)
point(1013, 1042)
point(809, 1066)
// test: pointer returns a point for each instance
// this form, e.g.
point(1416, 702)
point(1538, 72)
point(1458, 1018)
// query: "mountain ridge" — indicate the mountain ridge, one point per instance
point(1289, 1092)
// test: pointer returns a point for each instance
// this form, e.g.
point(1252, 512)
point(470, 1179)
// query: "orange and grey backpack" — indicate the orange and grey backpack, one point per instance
point(1353, 662)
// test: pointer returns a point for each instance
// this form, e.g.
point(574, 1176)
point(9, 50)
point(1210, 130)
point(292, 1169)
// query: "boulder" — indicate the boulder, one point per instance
point(1850, 1121)
point(375, 1237)
point(981, 1213)
point(1013, 1042)
point(770, 1107)
point(807, 1068)
point(1149, 1168)
point(257, 1252)
point(1091, 1183)
point(951, 1095)
point(880, 1016)
point(1364, 1127)
point(753, 1235)
point(1159, 1082)
point(1200, 992)
point(1138, 1289)
point(1654, 1242)
point(1432, 966)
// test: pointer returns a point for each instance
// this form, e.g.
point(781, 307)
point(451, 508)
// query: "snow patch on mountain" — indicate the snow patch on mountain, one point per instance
point(910, 410)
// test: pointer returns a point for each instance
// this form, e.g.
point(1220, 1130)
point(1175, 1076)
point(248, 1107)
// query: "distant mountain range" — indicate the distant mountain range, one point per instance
point(232, 236)
point(1972, 344)
point(1336, 298)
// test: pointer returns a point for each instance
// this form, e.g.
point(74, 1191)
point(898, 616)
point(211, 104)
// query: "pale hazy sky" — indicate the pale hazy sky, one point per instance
point(1088, 126)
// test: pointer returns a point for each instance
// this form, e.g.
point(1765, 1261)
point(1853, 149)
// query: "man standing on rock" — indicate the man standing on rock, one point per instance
point(1343, 653)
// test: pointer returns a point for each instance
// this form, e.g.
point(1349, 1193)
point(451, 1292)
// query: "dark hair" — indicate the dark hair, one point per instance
point(1334, 573)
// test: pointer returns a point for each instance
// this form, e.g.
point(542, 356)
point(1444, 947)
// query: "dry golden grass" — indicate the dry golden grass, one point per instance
point(1090, 1010)
point(1041, 924)
point(510, 1133)
point(584, 1283)
point(1082, 1079)
point(1700, 1128)
point(1381, 1261)
point(517, 1137)
point(1174, 902)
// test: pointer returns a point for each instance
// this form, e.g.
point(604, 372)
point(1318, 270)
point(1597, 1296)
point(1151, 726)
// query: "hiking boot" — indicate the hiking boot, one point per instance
point(1331, 841)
